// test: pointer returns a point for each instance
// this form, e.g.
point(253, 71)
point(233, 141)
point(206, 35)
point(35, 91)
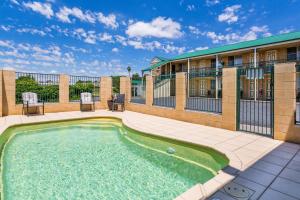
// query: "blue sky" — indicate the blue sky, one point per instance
point(103, 37)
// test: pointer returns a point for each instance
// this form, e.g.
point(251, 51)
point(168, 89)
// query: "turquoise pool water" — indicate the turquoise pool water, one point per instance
point(99, 159)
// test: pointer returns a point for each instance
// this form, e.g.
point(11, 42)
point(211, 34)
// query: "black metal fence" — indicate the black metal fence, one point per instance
point(138, 93)
point(45, 85)
point(164, 89)
point(255, 97)
point(80, 84)
point(204, 90)
point(298, 94)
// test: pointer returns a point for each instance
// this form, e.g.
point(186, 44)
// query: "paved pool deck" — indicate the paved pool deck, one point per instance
point(259, 168)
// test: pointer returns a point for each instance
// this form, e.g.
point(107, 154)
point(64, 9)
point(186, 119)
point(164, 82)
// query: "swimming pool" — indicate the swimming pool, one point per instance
point(99, 159)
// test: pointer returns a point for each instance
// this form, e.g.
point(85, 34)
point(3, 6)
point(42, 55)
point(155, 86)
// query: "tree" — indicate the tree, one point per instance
point(116, 84)
point(136, 76)
point(129, 70)
point(47, 93)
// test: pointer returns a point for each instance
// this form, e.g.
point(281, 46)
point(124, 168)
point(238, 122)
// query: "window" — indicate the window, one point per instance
point(271, 56)
point(252, 85)
point(238, 60)
point(251, 59)
point(230, 61)
point(292, 53)
point(268, 89)
point(202, 87)
point(213, 63)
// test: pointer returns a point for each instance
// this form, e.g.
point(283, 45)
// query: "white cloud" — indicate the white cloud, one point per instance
point(252, 34)
point(6, 28)
point(190, 8)
point(122, 40)
point(5, 43)
point(65, 13)
point(199, 49)
point(108, 21)
point(229, 14)
point(42, 8)
point(195, 30)
point(32, 31)
point(155, 45)
point(15, 2)
point(286, 30)
point(106, 37)
point(212, 2)
point(159, 27)
point(116, 50)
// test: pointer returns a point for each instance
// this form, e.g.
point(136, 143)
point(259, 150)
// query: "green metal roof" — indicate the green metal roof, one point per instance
point(231, 47)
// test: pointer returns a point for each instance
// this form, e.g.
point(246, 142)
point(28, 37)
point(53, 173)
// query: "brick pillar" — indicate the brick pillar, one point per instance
point(229, 98)
point(105, 90)
point(8, 92)
point(284, 100)
point(125, 87)
point(63, 88)
point(149, 90)
point(1, 95)
point(180, 91)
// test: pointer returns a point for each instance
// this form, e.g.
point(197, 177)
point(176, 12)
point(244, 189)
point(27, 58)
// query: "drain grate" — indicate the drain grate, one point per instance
point(237, 191)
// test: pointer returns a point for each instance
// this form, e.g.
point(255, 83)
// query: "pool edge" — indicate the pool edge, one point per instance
point(198, 191)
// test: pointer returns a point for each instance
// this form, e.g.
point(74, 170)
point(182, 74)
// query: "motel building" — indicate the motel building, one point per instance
point(254, 60)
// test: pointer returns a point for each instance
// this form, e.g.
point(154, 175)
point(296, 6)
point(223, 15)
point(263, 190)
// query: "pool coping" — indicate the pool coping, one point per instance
point(198, 191)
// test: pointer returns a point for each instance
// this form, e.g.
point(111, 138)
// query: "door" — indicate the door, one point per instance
point(255, 116)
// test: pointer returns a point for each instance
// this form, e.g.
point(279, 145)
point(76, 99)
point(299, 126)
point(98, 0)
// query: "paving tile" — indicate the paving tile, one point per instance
point(282, 154)
point(291, 175)
point(270, 194)
point(220, 196)
point(275, 160)
point(286, 186)
point(295, 165)
point(267, 167)
point(258, 176)
point(257, 188)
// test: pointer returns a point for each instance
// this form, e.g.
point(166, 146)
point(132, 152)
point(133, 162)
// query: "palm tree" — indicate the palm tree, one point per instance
point(129, 70)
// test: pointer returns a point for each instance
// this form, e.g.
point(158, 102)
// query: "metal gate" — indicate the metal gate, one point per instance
point(255, 100)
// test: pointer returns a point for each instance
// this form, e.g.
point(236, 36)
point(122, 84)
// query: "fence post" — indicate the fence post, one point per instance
point(105, 90)
point(180, 94)
point(285, 101)
point(229, 98)
point(9, 92)
point(63, 88)
point(125, 87)
point(149, 90)
point(1, 93)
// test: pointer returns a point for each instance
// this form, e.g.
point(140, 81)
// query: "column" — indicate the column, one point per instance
point(149, 90)
point(125, 87)
point(105, 90)
point(8, 92)
point(284, 100)
point(63, 88)
point(180, 91)
point(229, 98)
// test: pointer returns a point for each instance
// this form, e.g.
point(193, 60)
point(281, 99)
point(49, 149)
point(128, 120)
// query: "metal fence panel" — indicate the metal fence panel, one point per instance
point(202, 85)
point(80, 84)
point(138, 93)
point(255, 95)
point(164, 89)
point(45, 85)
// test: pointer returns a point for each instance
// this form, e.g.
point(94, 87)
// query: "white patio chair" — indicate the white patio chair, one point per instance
point(87, 98)
point(30, 100)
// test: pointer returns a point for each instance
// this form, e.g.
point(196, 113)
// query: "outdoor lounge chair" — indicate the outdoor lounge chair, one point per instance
point(30, 100)
point(87, 98)
point(119, 100)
